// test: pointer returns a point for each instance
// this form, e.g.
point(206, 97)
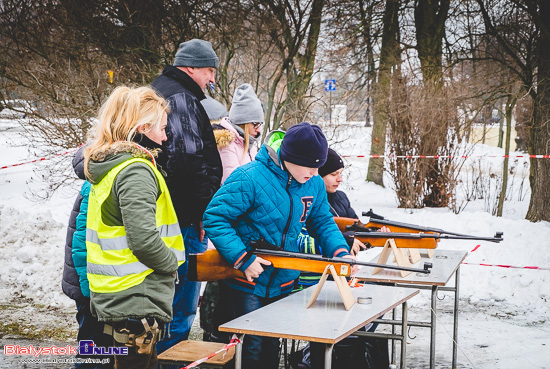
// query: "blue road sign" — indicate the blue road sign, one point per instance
point(330, 85)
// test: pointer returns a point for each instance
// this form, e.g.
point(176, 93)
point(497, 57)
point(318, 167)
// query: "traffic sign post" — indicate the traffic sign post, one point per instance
point(330, 85)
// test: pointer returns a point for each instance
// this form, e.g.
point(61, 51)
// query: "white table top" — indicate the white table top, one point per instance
point(445, 263)
point(326, 320)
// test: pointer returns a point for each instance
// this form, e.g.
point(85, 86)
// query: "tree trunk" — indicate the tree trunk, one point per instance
point(429, 19)
point(366, 16)
point(307, 59)
point(390, 48)
point(540, 125)
point(510, 104)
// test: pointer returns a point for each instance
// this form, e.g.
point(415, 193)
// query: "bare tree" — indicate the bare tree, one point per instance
point(430, 17)
point(293, 27)
point(390, 57)
point(56, 57)
point(530, 61)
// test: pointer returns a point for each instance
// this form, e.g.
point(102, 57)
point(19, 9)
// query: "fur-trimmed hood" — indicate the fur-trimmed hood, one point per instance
point(225, 133)
point(223, 137)
point(102, 161)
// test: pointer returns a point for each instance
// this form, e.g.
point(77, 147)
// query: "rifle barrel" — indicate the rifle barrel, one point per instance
point(412, 226)
point(398, 235)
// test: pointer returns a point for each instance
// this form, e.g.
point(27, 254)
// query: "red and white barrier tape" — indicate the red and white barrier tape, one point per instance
point(234, 341)
point(345, 156)
point(445, 156)
point(39, 159)
point(508, 266)
point(504, 266)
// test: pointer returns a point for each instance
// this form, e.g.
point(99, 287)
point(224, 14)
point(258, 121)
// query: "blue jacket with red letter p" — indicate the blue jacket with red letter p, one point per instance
point(261, 200)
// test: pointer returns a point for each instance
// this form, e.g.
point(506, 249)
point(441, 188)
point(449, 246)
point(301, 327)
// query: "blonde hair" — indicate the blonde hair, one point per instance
point(121, 114)
point(246, 137)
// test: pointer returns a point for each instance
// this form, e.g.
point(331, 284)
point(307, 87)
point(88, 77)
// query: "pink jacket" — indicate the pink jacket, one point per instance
point(231, 147)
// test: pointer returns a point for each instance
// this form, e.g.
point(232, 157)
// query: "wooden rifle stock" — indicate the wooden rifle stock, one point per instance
point(374, 224)
point(405, 243)
point(211, 266)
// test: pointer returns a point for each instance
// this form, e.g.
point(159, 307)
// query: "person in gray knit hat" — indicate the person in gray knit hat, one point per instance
point(194, 167)
point(215, 109)
point(237, 135)
point(246, 107)
point(196, 53)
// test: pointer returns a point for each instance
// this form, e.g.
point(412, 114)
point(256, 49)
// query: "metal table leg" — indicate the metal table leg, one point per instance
point(432, 326)
point(285, 353)
point(239, 352)
point(455, 326)
point(393, 361)
point(404, 338)
point(328, 355)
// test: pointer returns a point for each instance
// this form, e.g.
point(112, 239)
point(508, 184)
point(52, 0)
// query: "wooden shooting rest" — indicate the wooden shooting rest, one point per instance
point(341, 283)
point(402, 257)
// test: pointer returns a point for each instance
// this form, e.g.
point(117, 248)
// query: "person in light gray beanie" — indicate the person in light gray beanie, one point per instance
point(246, 107)
point(214, 109)
point(236, 137)
point(196, 53)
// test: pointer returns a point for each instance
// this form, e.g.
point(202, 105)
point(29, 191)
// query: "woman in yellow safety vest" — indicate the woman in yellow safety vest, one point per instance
point(133, 240)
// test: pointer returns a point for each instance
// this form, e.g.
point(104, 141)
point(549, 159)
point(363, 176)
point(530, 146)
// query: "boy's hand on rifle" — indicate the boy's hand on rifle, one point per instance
point(255, 269)
point(384, 229)
point(354, 268)
point(357, 246)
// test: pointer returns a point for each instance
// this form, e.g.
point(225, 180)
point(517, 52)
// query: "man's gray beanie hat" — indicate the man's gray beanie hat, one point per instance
point(214, 108)
point(246, 107)
point(196, 53)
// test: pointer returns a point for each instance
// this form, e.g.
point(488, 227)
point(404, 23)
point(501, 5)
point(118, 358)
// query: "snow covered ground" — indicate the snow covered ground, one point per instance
point(504, 319)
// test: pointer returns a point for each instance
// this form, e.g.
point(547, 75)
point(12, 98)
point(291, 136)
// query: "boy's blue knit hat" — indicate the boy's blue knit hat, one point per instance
point(304, 144)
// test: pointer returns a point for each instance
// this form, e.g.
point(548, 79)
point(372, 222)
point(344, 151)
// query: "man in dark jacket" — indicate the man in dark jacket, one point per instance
point(193, 166)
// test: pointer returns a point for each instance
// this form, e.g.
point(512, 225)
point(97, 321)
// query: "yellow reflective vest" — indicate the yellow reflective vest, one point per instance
point(112, 267)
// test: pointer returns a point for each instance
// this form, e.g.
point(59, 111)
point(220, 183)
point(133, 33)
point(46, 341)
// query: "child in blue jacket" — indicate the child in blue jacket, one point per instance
point(271, 198)
point(75, 280)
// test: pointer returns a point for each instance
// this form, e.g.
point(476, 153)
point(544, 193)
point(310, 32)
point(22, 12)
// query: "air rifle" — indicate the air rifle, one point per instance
point(409, 235)
point(211, 266)
point(379, 221)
